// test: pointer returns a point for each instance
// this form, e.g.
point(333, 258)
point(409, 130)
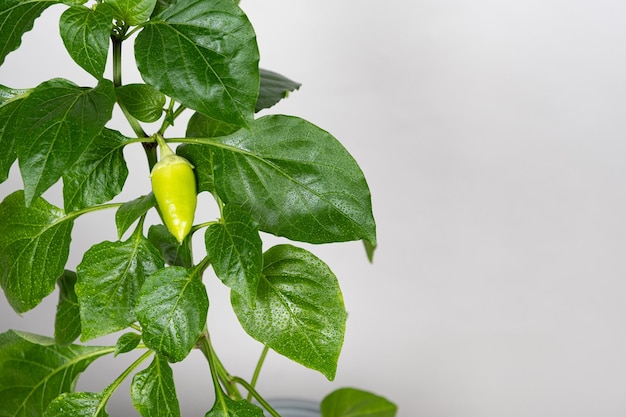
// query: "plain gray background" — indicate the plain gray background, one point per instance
point(492, 136)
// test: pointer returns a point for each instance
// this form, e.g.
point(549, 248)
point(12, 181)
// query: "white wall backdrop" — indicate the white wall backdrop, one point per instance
point(493, 137)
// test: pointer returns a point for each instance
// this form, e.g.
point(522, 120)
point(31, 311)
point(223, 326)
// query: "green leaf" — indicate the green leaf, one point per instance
point(225, 407)
point(86, 32)
point(161, 5)
point(295, 179)
point(153, 391)
point(34, 247)
point(174, 253)
point(67, 320)
point(201, 158)
point(132, 12)
point(350, 402)
point(127, 342)
point(9, 110)
point(34, 371)
point(217, 44)
point(201, 126)
point(16, 18)
point(77, 404)
point(109, 278)
point(60, 121)
point(299, 310)
point(274, 87)
point(235, 249)
point(8, 94)
point(172, 310)
point(129, 212)
point(143, 102)
point(99, 174)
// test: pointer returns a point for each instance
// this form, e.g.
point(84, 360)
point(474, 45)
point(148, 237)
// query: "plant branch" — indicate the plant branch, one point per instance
point(256, 395)
point(117, 82)
point(108, 391)
point(257, 370)
point(218, 372)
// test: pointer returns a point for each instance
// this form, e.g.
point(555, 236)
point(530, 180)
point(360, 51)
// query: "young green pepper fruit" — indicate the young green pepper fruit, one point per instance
point(174, 186)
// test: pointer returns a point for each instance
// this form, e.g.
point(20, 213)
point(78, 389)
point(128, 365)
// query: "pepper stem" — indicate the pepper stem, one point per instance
point(164, 148)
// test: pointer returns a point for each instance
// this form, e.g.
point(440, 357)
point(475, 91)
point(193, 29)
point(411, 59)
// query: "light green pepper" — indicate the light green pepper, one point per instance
point(174, 186)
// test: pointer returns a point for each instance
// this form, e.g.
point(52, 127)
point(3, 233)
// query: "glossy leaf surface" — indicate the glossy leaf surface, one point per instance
point(274, 87)
point(9, 111)
point(110, 276)
point(174, 253)
point(132, 210)
point(61, 120)
point(299, 310)
point(153, 391)
point(34, 247)
point(142, 101)
point(216, 43)
point(235, 249)
point(99, 174)
point(132, 12)
point(127, 342)
point(86, 32)
point(350, 402)
point(67, 319)
point(225, 407)
point(200, 157)
point(35, 371)
point(295, 179)
point(172, 310)
point(16, 18)
point(77, 404)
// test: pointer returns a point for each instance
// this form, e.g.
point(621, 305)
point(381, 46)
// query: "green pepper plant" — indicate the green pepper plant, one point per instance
point(275, 174)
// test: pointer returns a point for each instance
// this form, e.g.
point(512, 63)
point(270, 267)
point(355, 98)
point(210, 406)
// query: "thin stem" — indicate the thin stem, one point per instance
point(256, 395)
point(108, 391)
point(220, 376)
point(202, 225)
point(257, 370)
point(171, 116)
point(202, 266)
point(117, 82)
point(86, 210)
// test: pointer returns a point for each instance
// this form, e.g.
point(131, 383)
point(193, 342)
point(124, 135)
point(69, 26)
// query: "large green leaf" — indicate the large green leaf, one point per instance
point(299, 310)
point(153, 391)
point(204, 54)
point(77, 404)
point(16, 18)
point(86, 32)
point(34, 247)
point(225, 407)
point(99, 174)
point(350, 402)
point(132, 12)
point(273, 88)
point(67, 319)
point(235, 249)
point(58, 121)
point(294, 178)
point(10, 103)
point(34, 371)
point(172, 310)
point(109, 278)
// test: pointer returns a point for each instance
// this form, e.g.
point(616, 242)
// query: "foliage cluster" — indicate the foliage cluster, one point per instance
point(275, 174)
